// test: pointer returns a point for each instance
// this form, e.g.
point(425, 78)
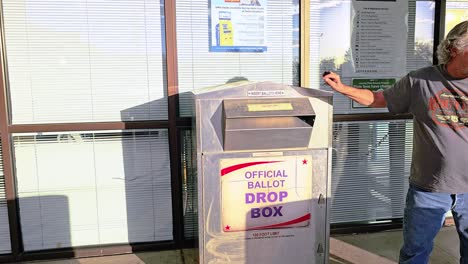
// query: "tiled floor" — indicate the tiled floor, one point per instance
point(381, 247)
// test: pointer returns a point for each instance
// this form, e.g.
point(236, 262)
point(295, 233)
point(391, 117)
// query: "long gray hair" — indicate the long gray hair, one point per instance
point(457, 38)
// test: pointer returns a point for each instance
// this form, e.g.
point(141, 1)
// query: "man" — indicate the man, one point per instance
point(437, 96)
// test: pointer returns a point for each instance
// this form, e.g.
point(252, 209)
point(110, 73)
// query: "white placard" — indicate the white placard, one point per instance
point(266, 193)
point(378, 38)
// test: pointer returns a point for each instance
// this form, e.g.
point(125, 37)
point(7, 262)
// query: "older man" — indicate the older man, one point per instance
point(437, 96)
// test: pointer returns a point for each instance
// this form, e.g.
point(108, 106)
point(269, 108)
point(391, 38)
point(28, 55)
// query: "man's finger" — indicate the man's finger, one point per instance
point(330, 82)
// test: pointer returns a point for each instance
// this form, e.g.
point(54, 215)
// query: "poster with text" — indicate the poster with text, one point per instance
point(266, 193)
point(378, 38)
point(238, 26)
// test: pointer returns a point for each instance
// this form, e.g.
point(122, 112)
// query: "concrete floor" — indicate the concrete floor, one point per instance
point(381, 248)
point(387, 244)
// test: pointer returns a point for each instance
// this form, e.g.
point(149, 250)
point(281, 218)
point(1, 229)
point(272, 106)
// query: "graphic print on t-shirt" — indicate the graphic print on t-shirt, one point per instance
point(449, 107)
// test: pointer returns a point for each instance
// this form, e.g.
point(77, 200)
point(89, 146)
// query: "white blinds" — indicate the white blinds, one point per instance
point(199, 68)
point(83, 61)
point(371, 163)
point(82, 188)
point(5, 245)
point(330, 39)
point(372, 159)
point(189, 185)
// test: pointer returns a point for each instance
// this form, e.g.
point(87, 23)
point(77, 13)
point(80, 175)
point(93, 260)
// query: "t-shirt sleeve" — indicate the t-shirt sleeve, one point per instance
point(398, 97)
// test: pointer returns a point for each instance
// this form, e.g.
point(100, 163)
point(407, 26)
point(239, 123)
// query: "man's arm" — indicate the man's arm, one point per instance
point(362, 96)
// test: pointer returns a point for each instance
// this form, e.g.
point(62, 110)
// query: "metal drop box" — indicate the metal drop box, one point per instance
point(263, 166)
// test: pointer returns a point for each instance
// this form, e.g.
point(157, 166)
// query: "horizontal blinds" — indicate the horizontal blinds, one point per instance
point(372, 159)
point(370, 169)
point(80, 189)
point(189, 186)
point(199, 68)
point(83, 61)
point(5, 245)
point(371, 165)
point(330, 51)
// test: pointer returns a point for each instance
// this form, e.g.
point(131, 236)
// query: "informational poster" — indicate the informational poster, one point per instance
point(238, 26)
point(266, 193)
point(378, 39)
point(373, 85)
point(455, 13)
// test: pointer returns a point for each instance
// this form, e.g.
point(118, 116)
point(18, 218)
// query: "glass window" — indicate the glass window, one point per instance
point(371, 164)
point(5, 245)
point(189, 185)
point(276, 29)
point(85, 61)
point(87, 188)
point(456, 12)
point(372, 158)
point(334, 27)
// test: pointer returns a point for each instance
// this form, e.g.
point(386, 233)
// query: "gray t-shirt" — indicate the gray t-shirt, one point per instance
point(439, 104)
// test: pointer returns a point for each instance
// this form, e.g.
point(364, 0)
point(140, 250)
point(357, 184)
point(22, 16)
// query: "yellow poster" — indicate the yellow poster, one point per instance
point(266, 193)
point(238, 25)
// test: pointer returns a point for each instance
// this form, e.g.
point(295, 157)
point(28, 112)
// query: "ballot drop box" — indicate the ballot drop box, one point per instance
point(263, 164)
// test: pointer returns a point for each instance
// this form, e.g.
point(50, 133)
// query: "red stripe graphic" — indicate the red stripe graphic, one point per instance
point(243, 165)
point(292, 222)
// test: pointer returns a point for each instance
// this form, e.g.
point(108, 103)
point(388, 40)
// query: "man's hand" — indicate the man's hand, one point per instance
point(334, 81)
point(362, 96)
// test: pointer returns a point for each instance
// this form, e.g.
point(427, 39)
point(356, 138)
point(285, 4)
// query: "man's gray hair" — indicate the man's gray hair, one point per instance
point(457, 38)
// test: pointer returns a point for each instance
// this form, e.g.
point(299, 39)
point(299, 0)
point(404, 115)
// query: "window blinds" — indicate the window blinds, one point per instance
point(371, 161)
point(85, 61)
point(329, 51)
point(370, 169)
point(5, 245)
point(200, 68)
point(189, 185)
point(79, 189)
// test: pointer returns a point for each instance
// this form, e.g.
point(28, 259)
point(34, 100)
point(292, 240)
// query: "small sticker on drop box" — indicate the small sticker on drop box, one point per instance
point(266, 93)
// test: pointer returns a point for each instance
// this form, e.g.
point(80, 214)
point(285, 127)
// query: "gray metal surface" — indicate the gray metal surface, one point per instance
point(295, 245)
point(237, 108)
point(266, 133)
point(254, 123)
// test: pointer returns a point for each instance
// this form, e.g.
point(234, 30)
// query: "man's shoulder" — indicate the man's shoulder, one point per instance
point(425, 73)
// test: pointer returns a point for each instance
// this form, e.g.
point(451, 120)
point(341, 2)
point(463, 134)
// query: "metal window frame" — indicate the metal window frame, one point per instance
point(174, 124)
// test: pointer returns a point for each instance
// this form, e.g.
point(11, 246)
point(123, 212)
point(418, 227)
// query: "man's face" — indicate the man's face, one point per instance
point(460, 60)
point(464, 61)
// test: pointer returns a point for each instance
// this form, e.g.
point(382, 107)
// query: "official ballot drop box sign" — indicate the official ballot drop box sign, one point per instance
point(263, 163)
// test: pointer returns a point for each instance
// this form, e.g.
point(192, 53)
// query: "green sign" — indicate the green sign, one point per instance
point(373, 85)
